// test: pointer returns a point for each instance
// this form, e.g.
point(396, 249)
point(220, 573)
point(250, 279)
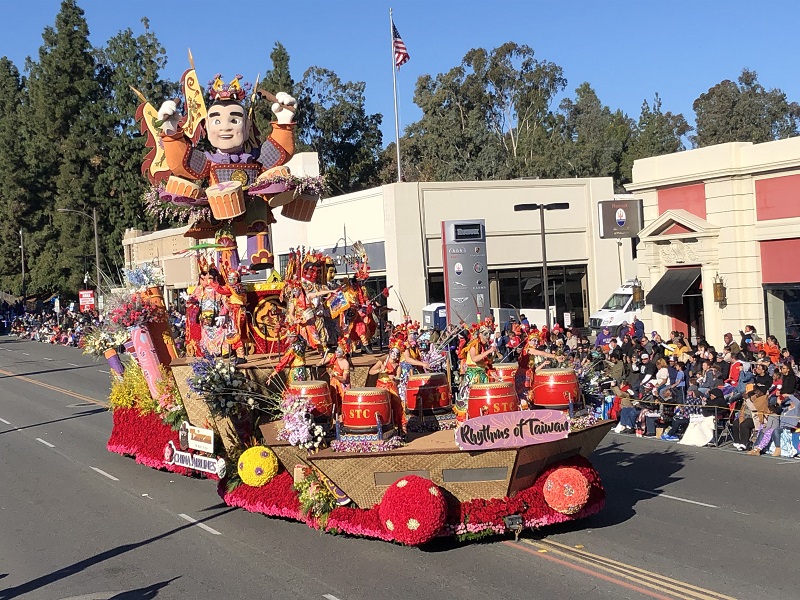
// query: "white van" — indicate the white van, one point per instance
point(618, 308)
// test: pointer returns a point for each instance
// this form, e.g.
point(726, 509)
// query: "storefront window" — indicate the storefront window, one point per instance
point(782, 305)
point(435, 287)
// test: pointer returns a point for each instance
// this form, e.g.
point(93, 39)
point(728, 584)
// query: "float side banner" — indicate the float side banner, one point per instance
point(512, 430)
point(620, 218)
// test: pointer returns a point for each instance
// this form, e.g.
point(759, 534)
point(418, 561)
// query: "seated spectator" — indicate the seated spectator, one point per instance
point(629, 410)
point(754, 410)
point(788, 420)
point(662, 378)
point(682, 415)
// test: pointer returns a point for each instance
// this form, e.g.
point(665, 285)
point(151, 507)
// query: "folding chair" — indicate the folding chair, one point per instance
point(723, 434)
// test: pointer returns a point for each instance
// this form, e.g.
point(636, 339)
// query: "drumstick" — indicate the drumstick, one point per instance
point(271, 97)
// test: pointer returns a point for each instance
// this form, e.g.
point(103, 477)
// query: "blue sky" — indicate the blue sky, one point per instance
point(626, 49)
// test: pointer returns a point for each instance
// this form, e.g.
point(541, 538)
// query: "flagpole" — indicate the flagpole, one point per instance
point(396, 114)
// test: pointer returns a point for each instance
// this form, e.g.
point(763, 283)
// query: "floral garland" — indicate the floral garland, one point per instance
point(165, 212)
point(316, 500)
point(224, 388)
point(135, 311)
point(170, 403)
point(578, 423)
point(311, 185)
point(96, 341)
point(354, 446)
point(299, 428)
point(144, 276)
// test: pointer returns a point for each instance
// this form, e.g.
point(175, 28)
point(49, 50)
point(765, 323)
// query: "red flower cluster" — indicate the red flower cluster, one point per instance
point(277, 498)
point(139, 310)
point(144, 437)
point(357, 521)
point(413, 509)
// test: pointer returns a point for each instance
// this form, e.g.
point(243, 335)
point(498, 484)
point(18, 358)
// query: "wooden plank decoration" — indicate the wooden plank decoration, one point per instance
point(512, 430)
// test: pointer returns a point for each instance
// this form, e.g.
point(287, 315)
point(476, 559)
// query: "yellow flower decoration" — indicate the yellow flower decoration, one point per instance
point(257, 466)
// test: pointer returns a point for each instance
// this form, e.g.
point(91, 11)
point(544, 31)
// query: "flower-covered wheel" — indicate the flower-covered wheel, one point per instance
point(413, 509)
point(566, 490)
point(257, 466)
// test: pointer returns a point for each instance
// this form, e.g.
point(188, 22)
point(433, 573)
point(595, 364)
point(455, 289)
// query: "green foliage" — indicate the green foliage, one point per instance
point(744, 112)
point(277, 79)
point(131, 391)
point(334, 122)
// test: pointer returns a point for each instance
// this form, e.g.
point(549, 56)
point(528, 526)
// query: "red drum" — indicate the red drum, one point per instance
point(555, 388)
point(318, 392)
point(361, 405)
point(429, 391)
point(491, 398)
point(504, 372)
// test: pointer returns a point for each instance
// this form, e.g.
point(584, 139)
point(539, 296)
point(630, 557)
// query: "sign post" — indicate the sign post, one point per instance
point(466, 278)
point(86, 300)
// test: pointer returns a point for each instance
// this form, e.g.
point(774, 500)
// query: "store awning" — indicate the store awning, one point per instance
point(673, 285)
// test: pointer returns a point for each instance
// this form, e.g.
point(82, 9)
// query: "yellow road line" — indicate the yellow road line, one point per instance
point(655, 581)
point(53, 388)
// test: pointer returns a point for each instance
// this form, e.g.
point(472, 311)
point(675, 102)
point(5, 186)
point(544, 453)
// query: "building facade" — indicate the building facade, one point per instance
point(728, 214)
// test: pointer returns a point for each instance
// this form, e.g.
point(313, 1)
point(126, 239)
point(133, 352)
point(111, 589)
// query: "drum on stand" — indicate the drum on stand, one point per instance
point(361, 408)
point(318, 392)
point(555, 389)
point(504, 372)
point(491, 398)
point(429, 392)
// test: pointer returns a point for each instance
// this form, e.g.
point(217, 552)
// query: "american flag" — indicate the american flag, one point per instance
point(400, 52)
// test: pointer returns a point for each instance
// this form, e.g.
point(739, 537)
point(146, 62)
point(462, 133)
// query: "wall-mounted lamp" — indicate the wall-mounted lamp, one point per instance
point(638, 293)
point(720, 293)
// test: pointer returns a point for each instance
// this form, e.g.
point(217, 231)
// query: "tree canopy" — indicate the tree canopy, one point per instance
point(72, 145)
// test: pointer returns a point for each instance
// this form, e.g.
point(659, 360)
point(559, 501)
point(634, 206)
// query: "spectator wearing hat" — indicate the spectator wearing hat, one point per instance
point(603, 338)
point(730, 345)
point(647, 371)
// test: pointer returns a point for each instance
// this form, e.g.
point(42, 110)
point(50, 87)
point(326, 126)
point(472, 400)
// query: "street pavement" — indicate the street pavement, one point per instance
point(80, 523)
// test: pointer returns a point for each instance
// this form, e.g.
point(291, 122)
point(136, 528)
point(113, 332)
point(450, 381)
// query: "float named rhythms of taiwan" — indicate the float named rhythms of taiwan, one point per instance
point(294, 393)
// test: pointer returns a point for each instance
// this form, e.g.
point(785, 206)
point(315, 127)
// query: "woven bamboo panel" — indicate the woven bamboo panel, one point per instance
point(196, 409)
point(198, 412)
point(355, 475)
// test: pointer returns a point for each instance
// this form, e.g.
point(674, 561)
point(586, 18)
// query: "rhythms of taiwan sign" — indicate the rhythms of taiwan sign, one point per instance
point(512, 430)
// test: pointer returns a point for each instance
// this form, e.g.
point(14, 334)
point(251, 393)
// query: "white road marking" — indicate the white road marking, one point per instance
point(4, 421)
point(45, 443)
point(104, 474)
point(73, 365)
point(25, 354)
point(662, 495)
point(330, 596)
point(48, 359)
point(202, 526)
point(102, 371)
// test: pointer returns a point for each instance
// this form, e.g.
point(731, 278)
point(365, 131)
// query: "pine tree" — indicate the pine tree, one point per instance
point(65, 126)
point(14, 199)
point(277, 79)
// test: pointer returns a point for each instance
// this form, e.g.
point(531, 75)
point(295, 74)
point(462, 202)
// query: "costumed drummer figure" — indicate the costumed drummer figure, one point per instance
point(294, 357)
point(477, 354)
point(537, 359)
point(338, 366)
point(387, 370)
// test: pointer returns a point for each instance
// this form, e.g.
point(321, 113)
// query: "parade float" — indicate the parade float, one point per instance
point(279, 396)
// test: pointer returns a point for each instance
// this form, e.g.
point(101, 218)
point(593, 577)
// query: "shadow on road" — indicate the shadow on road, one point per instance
point(145, 593)
point(77, 567)
point(47, 371)
point(83, 413)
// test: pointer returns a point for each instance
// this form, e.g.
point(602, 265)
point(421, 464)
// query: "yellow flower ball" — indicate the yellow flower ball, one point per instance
point(257, 466)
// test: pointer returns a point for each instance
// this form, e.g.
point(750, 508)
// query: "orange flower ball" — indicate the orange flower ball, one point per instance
point(566, 490)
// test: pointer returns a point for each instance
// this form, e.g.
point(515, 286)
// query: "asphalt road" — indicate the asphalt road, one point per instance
point(80, 523)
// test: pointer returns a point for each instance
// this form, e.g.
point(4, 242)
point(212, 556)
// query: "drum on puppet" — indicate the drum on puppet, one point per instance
point(318, 392)
point(491, 398)
point(428, 392)
point(363, 407)
point(226, 200)
point(556, 389)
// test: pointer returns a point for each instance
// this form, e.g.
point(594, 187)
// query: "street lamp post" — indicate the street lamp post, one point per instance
point(93, 217)
point(545, 283)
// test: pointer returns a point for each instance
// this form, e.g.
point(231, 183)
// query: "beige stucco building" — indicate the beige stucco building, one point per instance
point(731, 210)
point(402, 223)
point(400, 226)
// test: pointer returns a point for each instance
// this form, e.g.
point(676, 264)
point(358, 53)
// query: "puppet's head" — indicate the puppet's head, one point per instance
point(228, 124)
